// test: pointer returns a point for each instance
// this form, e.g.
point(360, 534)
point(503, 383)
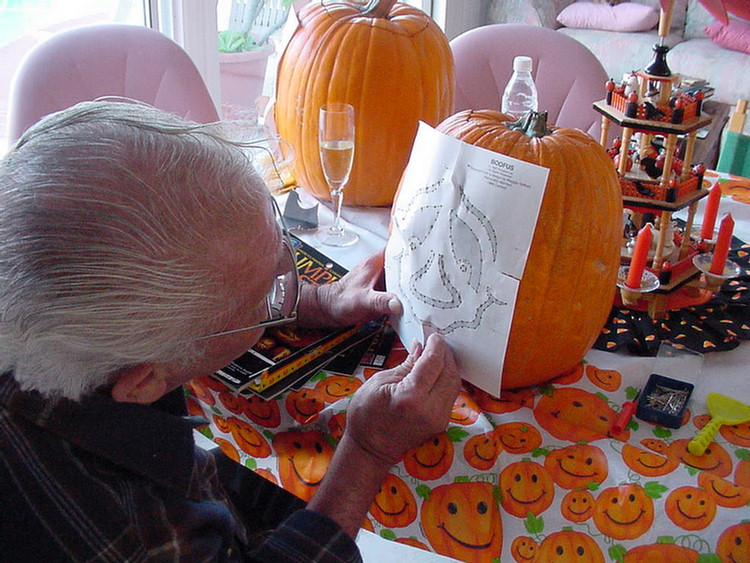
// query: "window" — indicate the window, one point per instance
point(25, 23)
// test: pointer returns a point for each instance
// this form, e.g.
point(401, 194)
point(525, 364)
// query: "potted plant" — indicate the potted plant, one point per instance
point(244, 49)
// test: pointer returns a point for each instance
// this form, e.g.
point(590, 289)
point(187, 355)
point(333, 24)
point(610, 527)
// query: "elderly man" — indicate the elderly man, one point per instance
point(139, 251)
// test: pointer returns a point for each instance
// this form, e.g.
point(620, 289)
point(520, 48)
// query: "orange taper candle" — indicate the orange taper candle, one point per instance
point(640, 253)
point(721, 249)
point(709, 214)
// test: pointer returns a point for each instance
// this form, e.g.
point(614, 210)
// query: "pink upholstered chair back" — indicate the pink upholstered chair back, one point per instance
point(107, 60)
point(568, 77)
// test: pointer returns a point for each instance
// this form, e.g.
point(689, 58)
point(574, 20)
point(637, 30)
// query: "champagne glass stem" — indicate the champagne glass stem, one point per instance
point(337, 194)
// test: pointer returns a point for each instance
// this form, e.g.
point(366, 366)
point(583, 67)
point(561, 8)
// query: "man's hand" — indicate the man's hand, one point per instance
point(351, 300)
point(399, 409)
point(393, 412)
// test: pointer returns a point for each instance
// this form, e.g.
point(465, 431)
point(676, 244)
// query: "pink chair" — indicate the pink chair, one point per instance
point(568, 77)
point(107, 60)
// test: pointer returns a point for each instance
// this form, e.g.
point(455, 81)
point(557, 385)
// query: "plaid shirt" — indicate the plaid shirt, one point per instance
point(101, 481)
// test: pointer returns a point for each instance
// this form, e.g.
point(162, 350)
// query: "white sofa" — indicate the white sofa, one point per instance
point(691, 54)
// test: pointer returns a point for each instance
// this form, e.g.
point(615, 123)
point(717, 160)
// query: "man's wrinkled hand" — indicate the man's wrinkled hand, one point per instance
point(399, 409)
point(353, 299)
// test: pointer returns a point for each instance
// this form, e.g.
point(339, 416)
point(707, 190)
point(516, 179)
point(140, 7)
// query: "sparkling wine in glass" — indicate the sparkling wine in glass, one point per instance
point(336, 144)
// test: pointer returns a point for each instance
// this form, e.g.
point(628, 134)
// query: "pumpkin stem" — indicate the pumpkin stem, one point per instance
point(533, 124)
point(378, 8)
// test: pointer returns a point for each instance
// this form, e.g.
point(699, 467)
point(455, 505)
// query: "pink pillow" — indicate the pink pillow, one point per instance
point(735, 35)
point(629, 16)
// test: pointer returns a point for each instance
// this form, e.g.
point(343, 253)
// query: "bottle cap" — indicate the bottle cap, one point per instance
point(522, 64)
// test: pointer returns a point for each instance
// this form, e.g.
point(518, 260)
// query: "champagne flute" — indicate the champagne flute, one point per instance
point(336, 144)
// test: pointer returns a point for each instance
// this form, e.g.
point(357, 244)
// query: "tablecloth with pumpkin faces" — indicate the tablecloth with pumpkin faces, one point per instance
point(534, 476)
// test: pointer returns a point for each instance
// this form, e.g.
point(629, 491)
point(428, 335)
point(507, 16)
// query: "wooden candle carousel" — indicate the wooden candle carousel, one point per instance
point(663, 267)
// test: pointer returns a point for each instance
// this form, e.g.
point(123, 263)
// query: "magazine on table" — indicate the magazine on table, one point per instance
point(285, 354)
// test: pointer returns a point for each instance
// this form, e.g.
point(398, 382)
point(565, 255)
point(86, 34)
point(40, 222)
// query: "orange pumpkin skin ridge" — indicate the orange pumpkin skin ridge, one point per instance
point(569, 282)
point(394, 65)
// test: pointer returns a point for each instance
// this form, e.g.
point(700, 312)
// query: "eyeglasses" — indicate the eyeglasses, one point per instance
point(283, 298)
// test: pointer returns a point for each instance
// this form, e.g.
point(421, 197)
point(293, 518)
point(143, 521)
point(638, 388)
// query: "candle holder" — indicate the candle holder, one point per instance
point(714, 281)
point(631, 295)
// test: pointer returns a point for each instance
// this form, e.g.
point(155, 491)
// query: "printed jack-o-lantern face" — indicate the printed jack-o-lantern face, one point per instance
point(481, 451)
point(221, 423)
point(267, 475)
point(232, 402)
point(624, 512)
point(571, 377)
point(431, 460)
point(526, 486)
point(742, 474)
point(462, 520)
point(518, 437)
point(568, 546)
point(734, 544)
point(337, 425)
point(465, 410)
point(260, 411)
point(714, 459)
point(524, 549)
point(248, 438)
point(647, 463)
point(577, 506)
point(394, 505)
point(510, 400)
point(690, 508)
point(336, 387)
point(607, 379)
point(194, 407)
point(701, 420)
point(725, 493)
point(228, 448)
point(303, 460)
point(576, 415)
point(655, 445)
point(202, 391)
point(578, 466)
point(737, 434)
point(661, 553)
point(737, 190)
point(304, 405)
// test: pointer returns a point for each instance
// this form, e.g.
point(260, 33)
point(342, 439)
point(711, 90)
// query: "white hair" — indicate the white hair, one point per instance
point(113, 221)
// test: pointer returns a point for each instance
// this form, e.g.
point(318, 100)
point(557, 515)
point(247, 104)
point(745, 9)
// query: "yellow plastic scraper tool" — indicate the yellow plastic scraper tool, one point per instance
point(723, 410)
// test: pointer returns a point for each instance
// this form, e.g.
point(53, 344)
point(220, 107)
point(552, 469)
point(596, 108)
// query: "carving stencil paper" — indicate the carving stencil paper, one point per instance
point(461, 231)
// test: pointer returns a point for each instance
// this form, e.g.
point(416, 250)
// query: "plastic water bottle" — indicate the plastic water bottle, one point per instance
point(520, 95)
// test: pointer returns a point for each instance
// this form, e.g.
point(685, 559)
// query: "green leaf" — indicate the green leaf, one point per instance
point(533, 524)
point(540, 452)
point(654, 489)
point(692, 471)
point(661, 432)
point(743, 453)
point(709, 558)
point(387, 534)
point(631, 392)
point(461, 479)
point(320, 376)
point(617, 553)
point(250, 463)
point(666, 539)
point(206, 431)
point(602, 396)
point(456, 434)
point(547, 390)
point(633, 425)
point(423, 491)
point(216, 411)
point(269, 435)
point(497, 495)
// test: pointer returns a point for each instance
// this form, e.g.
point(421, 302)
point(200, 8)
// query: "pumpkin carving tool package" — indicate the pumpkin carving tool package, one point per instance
point(505, 239)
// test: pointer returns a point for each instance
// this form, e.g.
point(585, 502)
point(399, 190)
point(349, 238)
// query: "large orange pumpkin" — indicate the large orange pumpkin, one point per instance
point(568, 285)
point(390, 61)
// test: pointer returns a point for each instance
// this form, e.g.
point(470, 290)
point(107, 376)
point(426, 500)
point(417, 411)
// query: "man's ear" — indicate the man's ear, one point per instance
point(144, 383)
